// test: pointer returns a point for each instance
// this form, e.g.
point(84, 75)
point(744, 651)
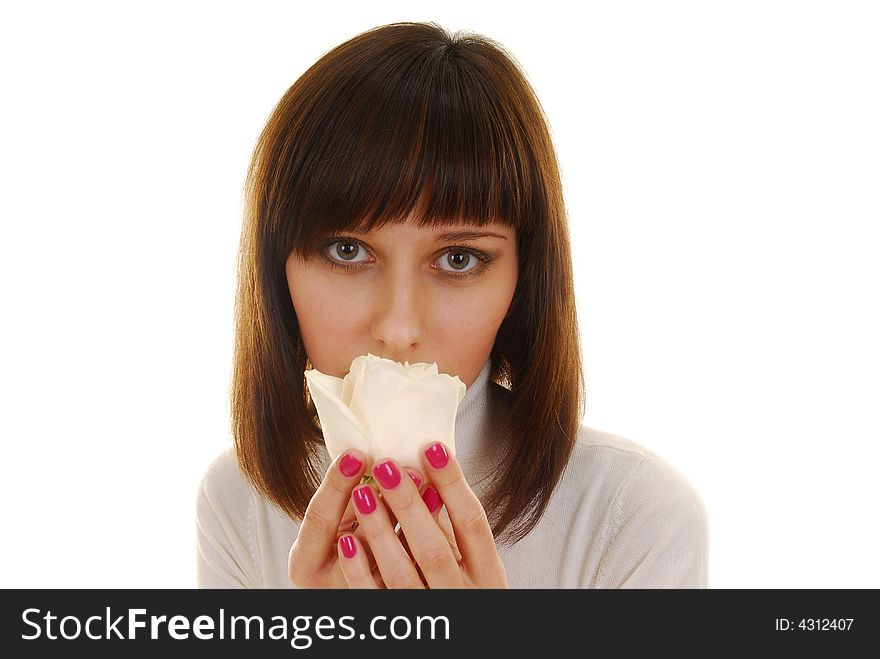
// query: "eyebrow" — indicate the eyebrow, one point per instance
point(456, 235)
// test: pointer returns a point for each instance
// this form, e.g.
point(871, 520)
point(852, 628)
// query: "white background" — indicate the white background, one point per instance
point(721, 165)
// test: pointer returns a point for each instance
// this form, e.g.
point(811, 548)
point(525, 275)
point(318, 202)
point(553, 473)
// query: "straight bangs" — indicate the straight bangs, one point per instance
point(434, 131)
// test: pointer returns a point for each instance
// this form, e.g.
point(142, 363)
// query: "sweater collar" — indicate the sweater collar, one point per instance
point(473, 439)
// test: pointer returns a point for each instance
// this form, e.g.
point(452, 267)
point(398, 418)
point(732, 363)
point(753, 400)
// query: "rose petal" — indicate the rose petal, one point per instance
point(379, 383)
point(340, 427)
point(422, 413)
point(420, 370)
point(332, 385)
point(355, 373)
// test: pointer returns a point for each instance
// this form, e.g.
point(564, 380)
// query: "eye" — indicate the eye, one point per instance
point(459, 259)
point(346, 250)
point(342, 252)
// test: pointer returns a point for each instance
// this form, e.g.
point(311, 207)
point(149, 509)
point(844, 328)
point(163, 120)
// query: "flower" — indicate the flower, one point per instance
point(385, 409)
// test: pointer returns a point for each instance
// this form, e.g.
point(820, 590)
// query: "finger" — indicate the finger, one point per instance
point(469, 521)
point(317, 534)
point(435, 506)
point(417, 479)
point(354, 563)
point(426, 497)
point(449, 535)
point(402, 536)
point(391, 517)
point(378, 577)
point(350, 516)
point(446, 526)
point(426, 541)
point(432, 500)
point(350, 524)
point(394, 563)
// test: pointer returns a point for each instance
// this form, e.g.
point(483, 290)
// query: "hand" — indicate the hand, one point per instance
point(312, 562)
point(464, 556)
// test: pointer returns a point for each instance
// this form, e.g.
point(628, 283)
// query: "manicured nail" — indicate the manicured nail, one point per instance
point(415, 479)
point(431, 497)
point(437, 455)
point(349, 549)
point(364, 499)
point(387, 474)
point(349, 465)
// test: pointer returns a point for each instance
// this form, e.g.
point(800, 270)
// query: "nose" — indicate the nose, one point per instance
point(399, 309)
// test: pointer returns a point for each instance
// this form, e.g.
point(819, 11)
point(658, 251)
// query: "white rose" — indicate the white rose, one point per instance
point(385, 409)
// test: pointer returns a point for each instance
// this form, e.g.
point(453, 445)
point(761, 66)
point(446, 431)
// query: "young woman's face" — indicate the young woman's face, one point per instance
point(409, 295)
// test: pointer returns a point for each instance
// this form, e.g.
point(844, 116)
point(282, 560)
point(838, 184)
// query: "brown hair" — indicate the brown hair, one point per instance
point(405, 117)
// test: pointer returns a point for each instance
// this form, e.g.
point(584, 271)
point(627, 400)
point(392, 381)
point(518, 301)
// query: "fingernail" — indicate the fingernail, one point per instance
point(431, 497)
point(349, 465)
point(387, 474)
point(437, 455)
point(349, 549)
point(415, 479)
point(364, 499)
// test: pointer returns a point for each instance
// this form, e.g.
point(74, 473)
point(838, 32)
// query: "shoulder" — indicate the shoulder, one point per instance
point(655, 512)
point(633, 470)
point(601, 462)
point(225, 511)
point(223, 485)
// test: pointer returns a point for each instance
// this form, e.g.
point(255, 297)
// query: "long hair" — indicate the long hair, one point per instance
point(407, 117)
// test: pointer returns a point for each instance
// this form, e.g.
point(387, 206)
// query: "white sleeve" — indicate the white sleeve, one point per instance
point(226, 556)
point(658, 535)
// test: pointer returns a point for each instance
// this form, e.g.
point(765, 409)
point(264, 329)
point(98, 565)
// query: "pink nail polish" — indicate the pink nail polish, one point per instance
point(364, 499)
point(387, 474)
point(349, 465)
point(415, 479)
point(431, 497)
point(349, 549)
point(437, 455)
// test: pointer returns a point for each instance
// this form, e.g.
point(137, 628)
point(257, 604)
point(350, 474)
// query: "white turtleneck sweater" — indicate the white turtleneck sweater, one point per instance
point(620, 516)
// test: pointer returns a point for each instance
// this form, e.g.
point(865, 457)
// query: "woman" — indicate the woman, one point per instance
point(404, 200)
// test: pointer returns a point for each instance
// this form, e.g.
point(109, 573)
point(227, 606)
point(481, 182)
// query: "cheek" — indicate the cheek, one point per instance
point(479, 312)
point(482, 308)
point(466, 333)
point(320, 305)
